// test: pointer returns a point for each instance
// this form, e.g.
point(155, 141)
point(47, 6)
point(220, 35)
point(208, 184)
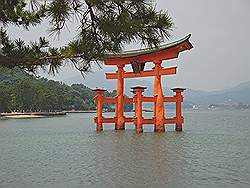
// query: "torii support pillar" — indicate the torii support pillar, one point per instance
point(99, 95)
point(159, 101)
point(138, 108)
point(179, 100)
point(120, 123)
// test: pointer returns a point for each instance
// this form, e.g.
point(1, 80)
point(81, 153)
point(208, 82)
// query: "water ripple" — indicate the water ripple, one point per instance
point(212, 151)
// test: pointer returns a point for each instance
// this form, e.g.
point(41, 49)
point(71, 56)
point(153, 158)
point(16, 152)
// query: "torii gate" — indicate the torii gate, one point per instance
point(137, 59)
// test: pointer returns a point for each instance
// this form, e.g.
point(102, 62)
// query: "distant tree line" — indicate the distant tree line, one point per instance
point(20, 91)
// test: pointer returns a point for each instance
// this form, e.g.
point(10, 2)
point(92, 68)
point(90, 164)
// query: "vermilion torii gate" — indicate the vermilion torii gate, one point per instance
point(138, 59)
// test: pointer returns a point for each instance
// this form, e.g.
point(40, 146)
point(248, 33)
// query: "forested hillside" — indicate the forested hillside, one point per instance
point(20, 91)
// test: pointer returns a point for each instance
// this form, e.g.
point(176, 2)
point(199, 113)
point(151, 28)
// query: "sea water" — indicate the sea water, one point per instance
point(212, 151)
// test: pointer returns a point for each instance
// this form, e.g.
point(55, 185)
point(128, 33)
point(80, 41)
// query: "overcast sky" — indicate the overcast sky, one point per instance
point(220, 35)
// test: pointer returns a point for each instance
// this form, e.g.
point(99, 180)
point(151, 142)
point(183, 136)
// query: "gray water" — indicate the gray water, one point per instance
point(212, 151)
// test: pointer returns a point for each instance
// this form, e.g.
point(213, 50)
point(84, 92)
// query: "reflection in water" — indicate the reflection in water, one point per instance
point(212, 151)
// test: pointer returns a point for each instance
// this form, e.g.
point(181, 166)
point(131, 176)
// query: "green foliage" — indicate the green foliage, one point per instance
point(17, 52)
point(103, 26)
point(14, 12)
point(20, 91)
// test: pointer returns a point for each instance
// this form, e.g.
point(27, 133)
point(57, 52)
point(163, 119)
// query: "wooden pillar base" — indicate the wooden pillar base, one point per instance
point(178, 128)
point(120, 127)
point(99, 128)
point(139, 130)
point(159, 129)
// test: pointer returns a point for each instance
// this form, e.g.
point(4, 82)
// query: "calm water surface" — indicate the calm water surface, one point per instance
point(212, 151)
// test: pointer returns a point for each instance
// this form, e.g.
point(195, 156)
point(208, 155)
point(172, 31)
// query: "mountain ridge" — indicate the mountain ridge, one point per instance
point(237, 94)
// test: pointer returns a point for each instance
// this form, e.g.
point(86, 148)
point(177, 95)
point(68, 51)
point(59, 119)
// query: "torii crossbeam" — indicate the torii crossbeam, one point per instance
point(137, 60)
point(147, 73)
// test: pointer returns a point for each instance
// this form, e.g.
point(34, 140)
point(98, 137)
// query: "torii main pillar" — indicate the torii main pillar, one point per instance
point(120, 123)
point(159, 102)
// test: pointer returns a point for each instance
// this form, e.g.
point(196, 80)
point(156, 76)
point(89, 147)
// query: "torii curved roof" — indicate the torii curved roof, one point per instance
point(163, 52)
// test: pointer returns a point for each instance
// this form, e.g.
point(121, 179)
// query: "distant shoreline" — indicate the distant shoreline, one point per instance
point(32, 114)
point(80, 111)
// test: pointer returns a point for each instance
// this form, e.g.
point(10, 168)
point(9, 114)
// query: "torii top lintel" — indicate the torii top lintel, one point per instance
point(164, 52)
